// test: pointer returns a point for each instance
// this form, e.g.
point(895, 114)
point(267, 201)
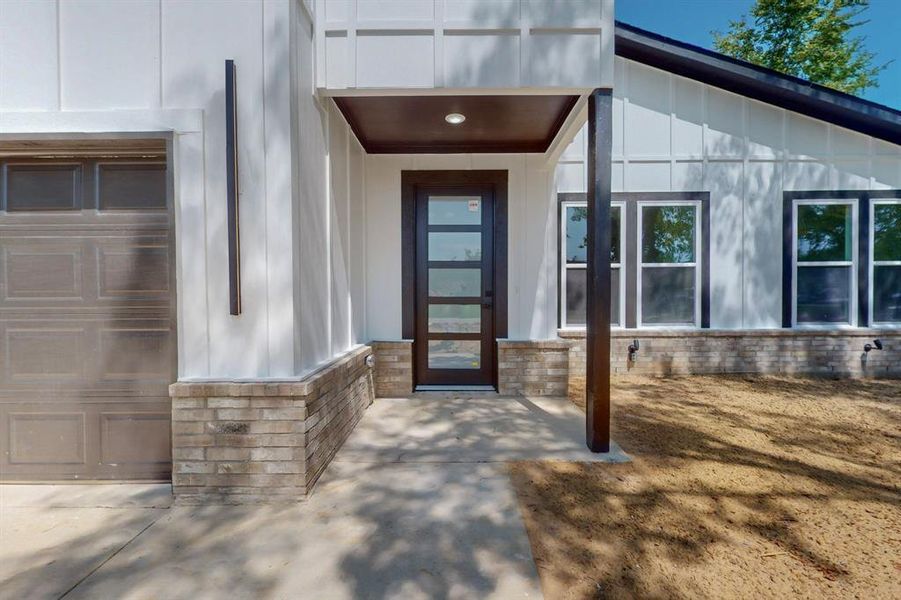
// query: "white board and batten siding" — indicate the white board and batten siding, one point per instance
point(493, 44)
point(676, 134)
point(329, 215)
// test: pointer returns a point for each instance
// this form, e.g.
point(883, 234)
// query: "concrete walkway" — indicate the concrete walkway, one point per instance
point(416, 505)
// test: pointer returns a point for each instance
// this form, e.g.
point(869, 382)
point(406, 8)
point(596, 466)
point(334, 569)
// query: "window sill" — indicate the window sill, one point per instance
point(576, 334)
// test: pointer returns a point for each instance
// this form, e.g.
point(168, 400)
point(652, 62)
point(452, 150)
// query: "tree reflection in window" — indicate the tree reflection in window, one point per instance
point(887, 234)
point(824, 232)
point(577, 234)
point(668, 234)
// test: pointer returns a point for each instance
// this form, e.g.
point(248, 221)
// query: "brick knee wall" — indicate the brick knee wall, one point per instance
point(533, 367)
point(774, 351)
point(557, 367)
point(264, 442)
point(334, 414)
point(393, 368)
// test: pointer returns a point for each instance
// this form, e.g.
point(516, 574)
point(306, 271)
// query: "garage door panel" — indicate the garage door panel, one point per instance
point(47, 439)
point(37, 271)
point(135, 438)
point(42, 187)
point(87, 334)
point(45, 354)
point(135, 354)
point(42, 273)
point(53, 440)
point(133, 270)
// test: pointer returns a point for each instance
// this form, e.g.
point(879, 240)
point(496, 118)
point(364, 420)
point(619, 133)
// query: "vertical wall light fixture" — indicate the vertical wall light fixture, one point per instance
point(231, 191)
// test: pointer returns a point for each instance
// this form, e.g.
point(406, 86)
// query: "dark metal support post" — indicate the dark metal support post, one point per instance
point(231, 189)
point(597, 389)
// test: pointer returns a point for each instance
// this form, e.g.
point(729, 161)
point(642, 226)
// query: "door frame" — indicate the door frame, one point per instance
point(411, 181)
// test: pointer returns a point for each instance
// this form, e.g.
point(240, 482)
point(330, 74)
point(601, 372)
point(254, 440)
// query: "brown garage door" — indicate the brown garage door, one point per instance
point(87, 328)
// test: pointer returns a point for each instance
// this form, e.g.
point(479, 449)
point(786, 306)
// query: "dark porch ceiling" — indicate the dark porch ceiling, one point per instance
point(416, 125)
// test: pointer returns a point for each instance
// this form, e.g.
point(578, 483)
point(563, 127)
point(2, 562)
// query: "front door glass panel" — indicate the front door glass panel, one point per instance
point(455, 210)
point(455, 282)
point(455, 245)
point(454, 354)
point(455, 318)
point(455, 342)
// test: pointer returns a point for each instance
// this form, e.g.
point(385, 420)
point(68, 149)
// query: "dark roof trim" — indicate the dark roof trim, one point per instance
point(759, 83)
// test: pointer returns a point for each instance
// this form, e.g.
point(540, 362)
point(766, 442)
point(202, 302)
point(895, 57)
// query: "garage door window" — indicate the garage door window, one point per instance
point(42, 187)
point(131, 186)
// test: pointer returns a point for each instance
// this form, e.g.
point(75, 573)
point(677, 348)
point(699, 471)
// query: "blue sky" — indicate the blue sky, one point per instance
point(692, 21)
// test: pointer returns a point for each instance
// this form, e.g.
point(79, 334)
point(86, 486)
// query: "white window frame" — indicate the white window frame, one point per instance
point(855, 225)
point(697, 264)
point(881, 263)
point(565, 266)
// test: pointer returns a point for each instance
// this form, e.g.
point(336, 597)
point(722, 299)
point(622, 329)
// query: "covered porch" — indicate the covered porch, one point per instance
point(460, 215)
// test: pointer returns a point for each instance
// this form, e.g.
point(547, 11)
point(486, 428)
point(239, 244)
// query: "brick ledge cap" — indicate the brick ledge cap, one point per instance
point(533, 344)
point(304, 386)
point(575, 334)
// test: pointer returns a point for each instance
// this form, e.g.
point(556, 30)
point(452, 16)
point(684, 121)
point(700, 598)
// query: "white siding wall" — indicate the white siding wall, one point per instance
point(329, 284)
point(150, 65)
point(675, 134)
point(531, 239)
point(464, 43)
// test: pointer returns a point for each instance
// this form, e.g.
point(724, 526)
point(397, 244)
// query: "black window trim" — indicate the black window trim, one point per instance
point(630, 201)
point(871, 271)
point(862, 197)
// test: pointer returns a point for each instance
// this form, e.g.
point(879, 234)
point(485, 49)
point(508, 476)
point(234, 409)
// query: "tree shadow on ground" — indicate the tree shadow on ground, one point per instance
point(182, 552)
point(730, 473)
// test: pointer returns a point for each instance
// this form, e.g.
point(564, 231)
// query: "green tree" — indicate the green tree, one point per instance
point(812, 39)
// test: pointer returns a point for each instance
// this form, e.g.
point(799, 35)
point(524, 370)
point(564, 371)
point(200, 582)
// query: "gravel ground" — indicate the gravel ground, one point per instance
point(740, 487)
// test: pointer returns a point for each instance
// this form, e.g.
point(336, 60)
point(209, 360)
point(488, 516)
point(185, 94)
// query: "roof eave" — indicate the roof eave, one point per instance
point(759, 83)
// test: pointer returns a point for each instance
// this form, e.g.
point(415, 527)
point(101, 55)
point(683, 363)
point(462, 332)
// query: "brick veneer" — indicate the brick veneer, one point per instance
point(557, 367)
point(264, 442)
point(393, 368)
point(771, 351)
point(533, 367)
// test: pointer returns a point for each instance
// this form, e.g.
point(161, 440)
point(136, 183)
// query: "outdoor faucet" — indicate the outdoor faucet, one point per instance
point(633, 350)
point(877, 345)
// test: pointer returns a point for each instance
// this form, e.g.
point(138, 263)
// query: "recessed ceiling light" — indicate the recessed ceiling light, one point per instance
point(455, 118)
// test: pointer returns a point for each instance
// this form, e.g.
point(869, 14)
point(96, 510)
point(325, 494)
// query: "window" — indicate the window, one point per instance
point(885, 262)
point(573, 276)
point(825, 261)
point(659, 259)
point(668, 274)
point(44, 186)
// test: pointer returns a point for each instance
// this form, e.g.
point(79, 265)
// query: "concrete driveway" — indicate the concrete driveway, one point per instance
point(417, 504)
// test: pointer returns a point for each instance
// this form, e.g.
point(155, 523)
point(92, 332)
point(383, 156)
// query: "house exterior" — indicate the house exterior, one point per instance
point(208, 274)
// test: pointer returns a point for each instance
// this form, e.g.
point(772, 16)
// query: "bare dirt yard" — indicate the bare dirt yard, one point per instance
point(740, 487)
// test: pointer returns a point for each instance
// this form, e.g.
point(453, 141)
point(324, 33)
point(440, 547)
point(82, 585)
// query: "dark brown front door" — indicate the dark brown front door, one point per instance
point(455, 285)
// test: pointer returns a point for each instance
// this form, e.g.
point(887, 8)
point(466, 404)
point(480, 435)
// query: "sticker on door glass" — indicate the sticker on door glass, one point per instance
point(474, 205)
